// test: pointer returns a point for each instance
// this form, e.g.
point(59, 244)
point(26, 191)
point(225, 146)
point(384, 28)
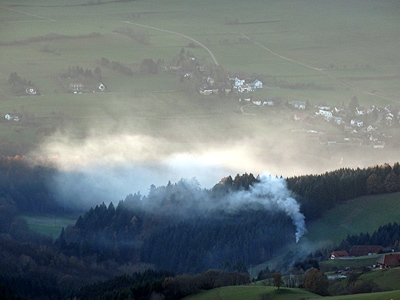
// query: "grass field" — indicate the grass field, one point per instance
point(341, 49)
point(364, 214)
point(49, 225)
point(257, 292)
point(387, 279)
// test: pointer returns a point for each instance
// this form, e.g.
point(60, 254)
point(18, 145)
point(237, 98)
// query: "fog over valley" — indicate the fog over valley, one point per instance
point(164, 150)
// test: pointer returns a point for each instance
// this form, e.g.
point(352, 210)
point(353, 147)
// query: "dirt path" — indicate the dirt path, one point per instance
point(321, 71)
point(28, 14)
point(180, 34)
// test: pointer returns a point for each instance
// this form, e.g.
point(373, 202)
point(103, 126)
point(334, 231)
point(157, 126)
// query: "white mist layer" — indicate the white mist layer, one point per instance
point(110, 167)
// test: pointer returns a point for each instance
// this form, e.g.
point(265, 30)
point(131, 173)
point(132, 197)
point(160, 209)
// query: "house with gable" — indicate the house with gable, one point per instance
point(257, 84)
point(244, 88)
point(10, 117)
point(76, 87)
point(238, 82)
point(31, 90)
point(339, 254)
point(389, 260)
point(356, 123)
point(298, 104)
point(362, 250)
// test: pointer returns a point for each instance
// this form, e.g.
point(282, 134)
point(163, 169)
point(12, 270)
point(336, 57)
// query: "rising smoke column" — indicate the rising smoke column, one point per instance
point(273, 194)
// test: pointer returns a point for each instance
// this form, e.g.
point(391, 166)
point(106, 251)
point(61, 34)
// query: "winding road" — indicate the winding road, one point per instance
point(180, 34)
point(321, 71)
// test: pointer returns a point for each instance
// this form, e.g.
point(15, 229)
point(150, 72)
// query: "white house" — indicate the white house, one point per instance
point(11, 117)
point(244, 89)
point(239, 82)
point(101, 87)
point(268, 103)
point(324, 113)
point(356, 123)
point(31, 90)
point(257, 84)
point(298, 104)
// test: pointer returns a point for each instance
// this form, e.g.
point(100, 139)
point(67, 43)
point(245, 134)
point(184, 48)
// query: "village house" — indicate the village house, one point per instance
point(362, 250)
point(244, 88)
point(257, 84)
point(338, 120)
point(323, 107)
point(326, 114)
point(379, 145)
point(76, 87)
point(30, 90)
point(268, 103)
point(205, 91)
point(356, 123)
point(238, 82)
point(10, 117)
point(101, 87)
point(389, 261)
point(339, 254)
point(298, 104)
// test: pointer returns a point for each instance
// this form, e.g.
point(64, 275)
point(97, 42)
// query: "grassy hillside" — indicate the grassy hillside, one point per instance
point(256, 293)
point(360, 215)
point(364, 214)
point(252, 293)
point(49, 225)
point(387, 279)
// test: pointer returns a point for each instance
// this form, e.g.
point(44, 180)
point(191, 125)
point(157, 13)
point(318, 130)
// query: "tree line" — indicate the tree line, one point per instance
point(319, 193)
point(387, 236)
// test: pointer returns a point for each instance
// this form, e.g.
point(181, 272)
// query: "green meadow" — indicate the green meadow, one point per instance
point(342, 49)
point(364, 214)
point(49, 225)
point(258, 292)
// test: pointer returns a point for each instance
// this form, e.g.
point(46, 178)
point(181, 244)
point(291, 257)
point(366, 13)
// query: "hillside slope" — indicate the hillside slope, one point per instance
point(363, 214)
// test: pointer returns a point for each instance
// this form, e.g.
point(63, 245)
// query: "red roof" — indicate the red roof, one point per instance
point(365, 250)
point(390, 260)
point(336, 254)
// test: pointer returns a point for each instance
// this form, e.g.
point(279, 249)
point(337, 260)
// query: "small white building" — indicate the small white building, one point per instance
point(356, 123)
point(239, 82)
point(10, 117)
point(298, 104)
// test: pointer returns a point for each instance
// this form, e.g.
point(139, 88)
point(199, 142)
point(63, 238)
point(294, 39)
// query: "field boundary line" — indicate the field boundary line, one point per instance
point(180, 34)
point(321, 71)
point(28, 14)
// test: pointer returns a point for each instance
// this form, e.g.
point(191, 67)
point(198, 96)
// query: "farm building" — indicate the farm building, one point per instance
point(389, 261)
point(365, 250)
point(76, 87)
point(339, 254)
point(10, 117)
point(31, 90)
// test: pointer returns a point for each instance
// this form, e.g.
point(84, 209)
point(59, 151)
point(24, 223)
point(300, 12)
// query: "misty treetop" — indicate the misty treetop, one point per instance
point(193, 227)
point(243, 218)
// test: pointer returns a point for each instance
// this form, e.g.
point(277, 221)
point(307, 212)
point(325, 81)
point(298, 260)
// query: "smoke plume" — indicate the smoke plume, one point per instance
point(271, 192)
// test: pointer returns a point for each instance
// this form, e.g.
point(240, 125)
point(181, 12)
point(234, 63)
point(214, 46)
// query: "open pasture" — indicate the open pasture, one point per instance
point(363, 214)
point(339, 50)
point(258, 292)
point(49, 225)
point(269, 38)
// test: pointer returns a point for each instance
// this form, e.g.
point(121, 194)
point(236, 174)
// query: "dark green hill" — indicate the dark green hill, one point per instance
point(363, 214)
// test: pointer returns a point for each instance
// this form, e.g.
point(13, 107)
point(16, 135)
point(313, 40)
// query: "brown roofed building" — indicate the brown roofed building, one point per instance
point(389, 260)
point(365, 250)
point(339, 254)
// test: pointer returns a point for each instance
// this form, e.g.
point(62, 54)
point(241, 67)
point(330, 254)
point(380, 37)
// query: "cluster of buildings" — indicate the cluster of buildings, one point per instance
point(236, 85)
point(386, 260)
point(366, 125)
